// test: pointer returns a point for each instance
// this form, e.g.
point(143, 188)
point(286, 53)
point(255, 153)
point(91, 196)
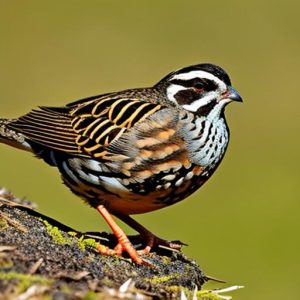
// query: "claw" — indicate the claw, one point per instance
point(154, 241)
point(151, 239)
point(118, 251)
point(124, 245)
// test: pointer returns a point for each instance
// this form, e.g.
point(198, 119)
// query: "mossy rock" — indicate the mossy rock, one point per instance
point(41, 256)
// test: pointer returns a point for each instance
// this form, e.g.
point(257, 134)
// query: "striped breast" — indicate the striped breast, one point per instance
point(207, 140)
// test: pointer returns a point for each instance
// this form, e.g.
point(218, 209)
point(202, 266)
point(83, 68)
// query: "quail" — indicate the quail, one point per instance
point(134, 151)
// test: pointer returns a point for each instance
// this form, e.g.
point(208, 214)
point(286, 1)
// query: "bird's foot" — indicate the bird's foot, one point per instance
point(149, 239)
point(124, 245)
point(154, 241)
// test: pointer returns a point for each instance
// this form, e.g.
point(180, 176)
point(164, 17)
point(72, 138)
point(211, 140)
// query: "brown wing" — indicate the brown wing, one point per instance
point(49, 128)
point(85, 129)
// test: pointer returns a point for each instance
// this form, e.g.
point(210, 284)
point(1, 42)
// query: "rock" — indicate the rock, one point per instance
point(41, 257)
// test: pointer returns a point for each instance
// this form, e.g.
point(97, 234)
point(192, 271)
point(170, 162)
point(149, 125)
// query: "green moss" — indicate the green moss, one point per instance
point(175, 289)
point(3, 224)
point(96, 296)
point(107, 282)
point(55, 233)
point(83, 242)
point(217, 294)
point(163, 279)
point(59, 238)
point(209, 295)
point(166, 260)
point(201, 295)
point(89, 242)
point(25, 280)
point(72, 233)
point(6, 263)
point(90, 296)
point(64, 288)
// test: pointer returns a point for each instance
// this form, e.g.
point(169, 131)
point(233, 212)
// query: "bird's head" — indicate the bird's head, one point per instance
point(199, 88)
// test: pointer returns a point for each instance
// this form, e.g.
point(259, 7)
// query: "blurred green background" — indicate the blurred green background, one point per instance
point(243, 225)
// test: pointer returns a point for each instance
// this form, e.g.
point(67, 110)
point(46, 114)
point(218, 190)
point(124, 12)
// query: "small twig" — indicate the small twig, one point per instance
point(74, 276)
point(32, 291)
point(207, 277)
point(35, 266)
point(13, 223)
point(7, 248)
point(12, 203)
point(169, 248)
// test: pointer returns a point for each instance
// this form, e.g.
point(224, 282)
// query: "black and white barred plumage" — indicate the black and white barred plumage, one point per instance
point(136, 150)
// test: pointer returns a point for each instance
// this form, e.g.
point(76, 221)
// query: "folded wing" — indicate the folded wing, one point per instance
point(85, 129)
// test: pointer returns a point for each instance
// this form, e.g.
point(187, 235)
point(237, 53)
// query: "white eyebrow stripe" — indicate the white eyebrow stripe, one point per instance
point(201, 74)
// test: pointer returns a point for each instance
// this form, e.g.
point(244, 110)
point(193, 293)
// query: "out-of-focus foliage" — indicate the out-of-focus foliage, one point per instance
point(243, 225)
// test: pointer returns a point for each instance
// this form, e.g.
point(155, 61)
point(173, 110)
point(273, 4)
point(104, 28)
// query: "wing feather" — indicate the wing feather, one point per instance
point(84, 128)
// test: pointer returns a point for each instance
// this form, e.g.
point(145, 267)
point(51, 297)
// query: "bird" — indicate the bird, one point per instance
point(134, 151)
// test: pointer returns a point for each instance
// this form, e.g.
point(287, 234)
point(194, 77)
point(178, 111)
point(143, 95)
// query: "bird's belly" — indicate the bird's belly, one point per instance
point(133, 195)
point(132, 203)
point(128, 202)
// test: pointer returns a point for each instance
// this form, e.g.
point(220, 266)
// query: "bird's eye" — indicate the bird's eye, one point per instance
point(199, 87)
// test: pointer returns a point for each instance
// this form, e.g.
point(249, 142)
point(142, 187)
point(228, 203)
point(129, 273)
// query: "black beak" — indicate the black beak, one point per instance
point(233, 95)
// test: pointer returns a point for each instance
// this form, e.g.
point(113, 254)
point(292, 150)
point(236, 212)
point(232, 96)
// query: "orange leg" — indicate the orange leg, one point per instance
point(123, 242)
point(151, 239)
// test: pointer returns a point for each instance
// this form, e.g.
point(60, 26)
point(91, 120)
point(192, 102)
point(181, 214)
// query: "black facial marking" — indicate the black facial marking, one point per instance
point(188, 83)
point(206, 109)
point(209, 85)
point(186, 96)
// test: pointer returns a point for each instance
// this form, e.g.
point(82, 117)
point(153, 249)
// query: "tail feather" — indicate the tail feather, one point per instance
point(11, 137)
